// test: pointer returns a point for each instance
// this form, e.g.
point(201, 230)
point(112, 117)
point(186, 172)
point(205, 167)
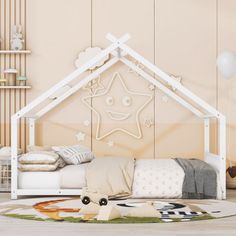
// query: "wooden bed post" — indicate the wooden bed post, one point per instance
point(206, 135)
point(14, 150)
point(31, 131)
point(222, 152)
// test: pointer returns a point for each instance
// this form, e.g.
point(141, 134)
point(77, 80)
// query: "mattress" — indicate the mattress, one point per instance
point(73, 176)
point(39, 180)
point(69, 177)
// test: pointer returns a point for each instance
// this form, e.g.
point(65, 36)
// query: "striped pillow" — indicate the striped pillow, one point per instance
point(74, 155)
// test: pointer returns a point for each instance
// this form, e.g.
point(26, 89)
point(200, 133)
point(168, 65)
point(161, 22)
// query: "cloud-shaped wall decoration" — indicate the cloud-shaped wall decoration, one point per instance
point(87, 55)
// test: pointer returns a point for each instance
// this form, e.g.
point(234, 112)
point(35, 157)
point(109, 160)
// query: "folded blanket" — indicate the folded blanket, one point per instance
point(112, 176)
point(200, 179)
point(42, 167)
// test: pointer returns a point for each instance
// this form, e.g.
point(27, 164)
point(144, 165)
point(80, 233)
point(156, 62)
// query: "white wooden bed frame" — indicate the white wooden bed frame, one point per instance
point(118, 51)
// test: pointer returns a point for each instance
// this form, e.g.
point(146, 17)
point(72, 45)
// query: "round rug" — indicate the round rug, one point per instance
point(68, 209)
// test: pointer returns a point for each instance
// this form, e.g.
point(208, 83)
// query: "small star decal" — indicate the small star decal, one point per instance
point(110, 143)
point(138, 64)
point(165, 98)
point(151, 87)
point(178, 79)
point(80, 136)
point(86, 123)
point(94, 86)
point(148, 123)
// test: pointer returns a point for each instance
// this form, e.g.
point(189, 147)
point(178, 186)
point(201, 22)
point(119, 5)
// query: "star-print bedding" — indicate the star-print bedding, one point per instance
point(159, 178)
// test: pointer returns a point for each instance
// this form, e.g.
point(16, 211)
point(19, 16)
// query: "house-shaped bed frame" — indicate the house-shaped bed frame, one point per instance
point(118, 51)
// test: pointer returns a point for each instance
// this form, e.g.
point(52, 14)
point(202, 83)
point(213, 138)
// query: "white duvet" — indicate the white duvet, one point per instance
point(157, 178)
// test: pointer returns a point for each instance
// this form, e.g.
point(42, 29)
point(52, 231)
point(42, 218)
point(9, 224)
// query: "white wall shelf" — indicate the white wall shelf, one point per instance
point(15, 51)
point(15, 87)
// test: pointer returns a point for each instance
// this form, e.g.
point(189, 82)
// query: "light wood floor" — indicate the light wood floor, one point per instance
point(17, 227)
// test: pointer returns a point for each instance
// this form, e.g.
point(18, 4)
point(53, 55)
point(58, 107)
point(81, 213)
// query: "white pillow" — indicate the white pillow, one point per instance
point(74, 155)
point(39, 157)
point(6, 151)
point(34, 148)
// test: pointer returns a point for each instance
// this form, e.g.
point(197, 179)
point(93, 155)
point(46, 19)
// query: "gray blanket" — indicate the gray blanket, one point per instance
point(200, 179)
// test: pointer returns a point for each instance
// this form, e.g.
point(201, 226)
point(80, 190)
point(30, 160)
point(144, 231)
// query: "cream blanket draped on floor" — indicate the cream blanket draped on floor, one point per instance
point(112, 176)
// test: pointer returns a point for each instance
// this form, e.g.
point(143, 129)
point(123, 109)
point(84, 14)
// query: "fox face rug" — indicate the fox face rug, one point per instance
point(119, 211)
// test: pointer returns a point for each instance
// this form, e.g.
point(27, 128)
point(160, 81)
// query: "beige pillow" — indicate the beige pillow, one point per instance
point(39, 157)
point(33, 148)
point(41, 167)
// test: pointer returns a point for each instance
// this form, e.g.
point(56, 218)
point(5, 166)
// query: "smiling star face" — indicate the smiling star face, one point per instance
point(118, 106)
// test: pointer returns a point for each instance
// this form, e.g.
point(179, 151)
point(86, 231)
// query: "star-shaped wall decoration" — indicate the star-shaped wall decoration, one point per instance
point(118, 105)
point(94, 86)
point(80, 136)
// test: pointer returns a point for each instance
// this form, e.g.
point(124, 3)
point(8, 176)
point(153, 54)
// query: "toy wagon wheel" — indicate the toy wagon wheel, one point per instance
point(86, 200)
point(103, 202)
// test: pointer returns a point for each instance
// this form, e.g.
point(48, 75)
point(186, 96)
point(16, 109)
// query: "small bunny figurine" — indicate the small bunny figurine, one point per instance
point(16, 38)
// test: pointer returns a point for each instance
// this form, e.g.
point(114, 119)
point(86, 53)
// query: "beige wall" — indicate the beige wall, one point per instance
point(182, 37)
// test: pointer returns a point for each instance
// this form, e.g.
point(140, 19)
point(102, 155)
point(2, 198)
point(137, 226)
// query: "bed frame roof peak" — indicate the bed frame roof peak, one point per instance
point(119, 50)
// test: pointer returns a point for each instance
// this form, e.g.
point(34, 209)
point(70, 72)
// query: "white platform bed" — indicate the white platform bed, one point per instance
point(154, 178)
point(117, 52)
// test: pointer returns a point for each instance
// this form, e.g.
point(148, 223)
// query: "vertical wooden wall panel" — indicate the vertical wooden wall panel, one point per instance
point(120, 17)
point(7, 98)
point(186, 47)
point(57, 31)
point(227, 96)
point(12, 12)
point(2, 125)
